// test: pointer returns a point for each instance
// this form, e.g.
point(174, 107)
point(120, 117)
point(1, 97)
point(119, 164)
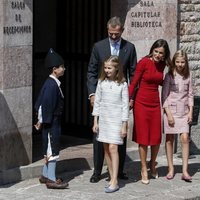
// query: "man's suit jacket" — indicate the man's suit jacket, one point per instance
point(100, 52)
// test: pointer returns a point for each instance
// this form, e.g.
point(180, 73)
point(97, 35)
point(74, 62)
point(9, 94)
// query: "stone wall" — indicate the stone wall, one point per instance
point(180, 21)
point(189, 40)
point(15, 85)
point(145, 22)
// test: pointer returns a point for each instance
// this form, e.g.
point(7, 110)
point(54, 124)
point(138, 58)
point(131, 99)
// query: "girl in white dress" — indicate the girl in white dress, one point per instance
point(177, 97)
point(111, 110)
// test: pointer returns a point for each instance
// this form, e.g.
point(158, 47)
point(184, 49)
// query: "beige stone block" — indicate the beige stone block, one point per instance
point(17, 67)
point(13, 151)
point(197, 7)
point(1, 68)
point(189, 28)
point(15, 142)
point(1, 23)
point(187, 7)
point(19, 102)
point(190, 38)
point(188, 47)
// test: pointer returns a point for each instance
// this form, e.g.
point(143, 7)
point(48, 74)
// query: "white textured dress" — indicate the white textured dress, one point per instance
point(112, 107)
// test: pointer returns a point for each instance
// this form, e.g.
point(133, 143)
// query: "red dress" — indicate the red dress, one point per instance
point(147, 110)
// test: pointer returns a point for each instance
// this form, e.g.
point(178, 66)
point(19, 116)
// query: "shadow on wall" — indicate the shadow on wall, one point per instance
point(29, 4)
point(12, 151)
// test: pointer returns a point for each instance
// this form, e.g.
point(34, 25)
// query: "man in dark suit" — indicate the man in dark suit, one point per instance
point(113, 45)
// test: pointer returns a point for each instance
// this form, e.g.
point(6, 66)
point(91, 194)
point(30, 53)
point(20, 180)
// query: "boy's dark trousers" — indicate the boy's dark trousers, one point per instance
point(98, 158)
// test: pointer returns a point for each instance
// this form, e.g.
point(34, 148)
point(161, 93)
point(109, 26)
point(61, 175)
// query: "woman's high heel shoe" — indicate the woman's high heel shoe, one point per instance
point(153, 175)
point(170, 176)
point(144, 179)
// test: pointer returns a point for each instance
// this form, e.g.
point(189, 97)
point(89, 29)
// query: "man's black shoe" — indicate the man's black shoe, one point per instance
point(123, 176)
point(95, 178)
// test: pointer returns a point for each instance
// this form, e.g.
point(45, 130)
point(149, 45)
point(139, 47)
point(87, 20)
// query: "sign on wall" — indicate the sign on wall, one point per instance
point(17, 29)
point(147, 21)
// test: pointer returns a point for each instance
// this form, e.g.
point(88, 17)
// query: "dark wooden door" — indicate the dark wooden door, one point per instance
point(80, 23)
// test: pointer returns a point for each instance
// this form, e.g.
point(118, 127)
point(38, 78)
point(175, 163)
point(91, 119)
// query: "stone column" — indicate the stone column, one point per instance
point(15, 86)
point(145, 22)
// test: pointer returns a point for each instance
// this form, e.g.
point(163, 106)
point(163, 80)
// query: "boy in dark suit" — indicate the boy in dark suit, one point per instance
point(49, 106)
point(113, 45)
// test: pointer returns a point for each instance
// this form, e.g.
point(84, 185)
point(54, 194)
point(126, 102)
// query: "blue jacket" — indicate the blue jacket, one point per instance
point(51, 101)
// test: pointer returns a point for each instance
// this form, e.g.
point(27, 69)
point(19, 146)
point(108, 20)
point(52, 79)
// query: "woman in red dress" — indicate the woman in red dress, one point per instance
point(146, 107)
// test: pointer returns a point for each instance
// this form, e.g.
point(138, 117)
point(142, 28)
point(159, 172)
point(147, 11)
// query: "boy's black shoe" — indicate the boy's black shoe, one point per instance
point(58, 184)
point(95, 178)
point(44, 179)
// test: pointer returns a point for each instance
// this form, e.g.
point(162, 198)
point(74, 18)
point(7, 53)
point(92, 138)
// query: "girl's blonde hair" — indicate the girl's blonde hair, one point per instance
point(186, 70)
point(114, 61)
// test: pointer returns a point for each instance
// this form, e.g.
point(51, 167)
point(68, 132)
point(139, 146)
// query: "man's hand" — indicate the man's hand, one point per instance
point(95, 128)
point(92, 98)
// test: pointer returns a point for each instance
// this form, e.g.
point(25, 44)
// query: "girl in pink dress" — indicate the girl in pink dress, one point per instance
point(177, 99)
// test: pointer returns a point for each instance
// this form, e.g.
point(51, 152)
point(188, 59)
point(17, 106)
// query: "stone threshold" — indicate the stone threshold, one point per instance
point(71, 159)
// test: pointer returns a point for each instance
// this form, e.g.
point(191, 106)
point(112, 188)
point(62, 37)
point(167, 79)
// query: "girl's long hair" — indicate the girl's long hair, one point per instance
point(114, 61)
point(186, 70)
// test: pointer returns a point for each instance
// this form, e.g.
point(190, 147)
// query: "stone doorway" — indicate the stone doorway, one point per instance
point(71, 28)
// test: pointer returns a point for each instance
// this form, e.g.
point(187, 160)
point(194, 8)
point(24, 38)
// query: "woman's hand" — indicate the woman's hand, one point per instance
point(131, 104)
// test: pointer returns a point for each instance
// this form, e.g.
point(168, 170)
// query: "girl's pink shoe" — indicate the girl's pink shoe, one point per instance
point(186, 178)
point(169, 176)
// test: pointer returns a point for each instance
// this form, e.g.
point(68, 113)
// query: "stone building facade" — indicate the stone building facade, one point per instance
point(177, 21)
point(189, 40)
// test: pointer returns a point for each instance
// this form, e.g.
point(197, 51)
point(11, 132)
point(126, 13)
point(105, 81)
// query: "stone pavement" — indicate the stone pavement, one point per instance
point(81, 189)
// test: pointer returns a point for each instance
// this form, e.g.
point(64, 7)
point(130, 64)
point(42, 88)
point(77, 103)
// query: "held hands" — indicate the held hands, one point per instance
point(131, 104)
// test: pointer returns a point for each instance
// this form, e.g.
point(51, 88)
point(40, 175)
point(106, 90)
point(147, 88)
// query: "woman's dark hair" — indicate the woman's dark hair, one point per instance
point(162, 43)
